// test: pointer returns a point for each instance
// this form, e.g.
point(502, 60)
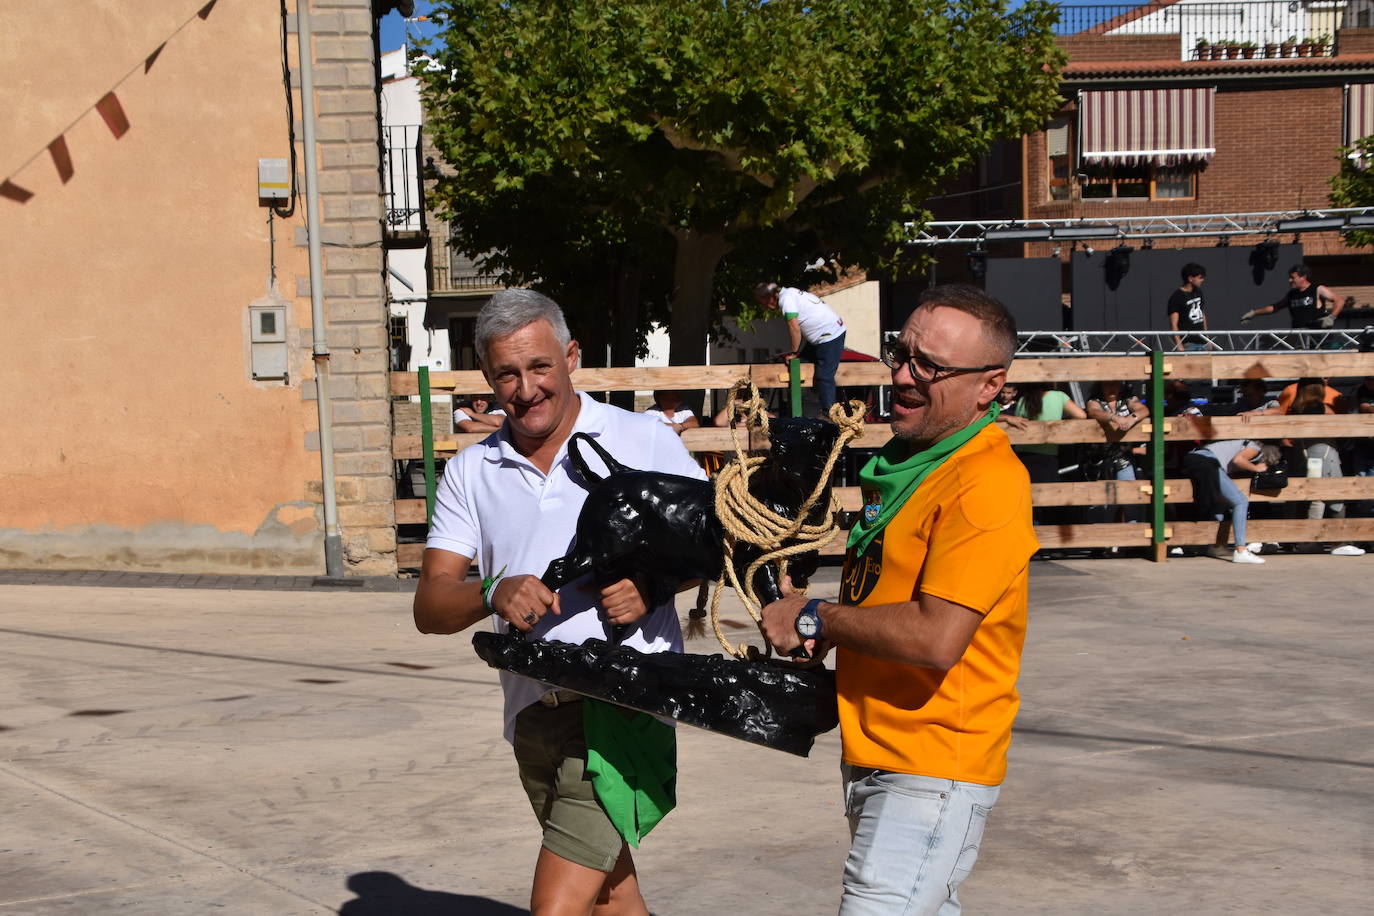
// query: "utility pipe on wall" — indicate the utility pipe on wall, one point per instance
point(333, 543)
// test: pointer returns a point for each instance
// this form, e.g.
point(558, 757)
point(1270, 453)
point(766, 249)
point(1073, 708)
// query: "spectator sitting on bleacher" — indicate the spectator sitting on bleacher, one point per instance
point(1330, 396)
point(1311, 399)
point(475, 416)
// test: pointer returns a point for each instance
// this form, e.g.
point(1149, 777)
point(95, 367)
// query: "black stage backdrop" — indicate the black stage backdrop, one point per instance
point(1030, 289)
point(1112, 293)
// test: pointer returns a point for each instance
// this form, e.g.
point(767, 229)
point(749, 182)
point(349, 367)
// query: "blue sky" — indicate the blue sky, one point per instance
point(396, 32)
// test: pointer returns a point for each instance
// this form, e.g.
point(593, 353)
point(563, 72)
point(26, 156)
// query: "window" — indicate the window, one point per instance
point(1058, 160)
point(1140, 182)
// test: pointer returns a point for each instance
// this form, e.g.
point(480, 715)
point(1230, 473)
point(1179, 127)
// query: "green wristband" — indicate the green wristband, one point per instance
point(488, 586)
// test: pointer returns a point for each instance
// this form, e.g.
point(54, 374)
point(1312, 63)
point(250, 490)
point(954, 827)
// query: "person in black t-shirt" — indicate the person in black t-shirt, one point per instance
point(1186, 309)
point(1310, 306)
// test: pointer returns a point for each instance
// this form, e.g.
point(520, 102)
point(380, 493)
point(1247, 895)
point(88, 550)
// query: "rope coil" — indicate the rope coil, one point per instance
point(748, 521)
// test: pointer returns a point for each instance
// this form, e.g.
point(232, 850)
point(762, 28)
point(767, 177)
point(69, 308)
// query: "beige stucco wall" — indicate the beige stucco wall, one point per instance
point(134, 436)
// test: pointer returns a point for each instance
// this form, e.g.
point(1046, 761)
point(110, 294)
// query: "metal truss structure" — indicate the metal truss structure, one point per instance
point(1126, 343)
point(1201, 225)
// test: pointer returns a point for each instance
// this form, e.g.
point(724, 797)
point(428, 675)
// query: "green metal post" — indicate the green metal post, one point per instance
point(794, 374)
point(1157, 455)
point(427, 442)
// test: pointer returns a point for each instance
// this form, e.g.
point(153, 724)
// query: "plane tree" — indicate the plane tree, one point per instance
point(643, 148)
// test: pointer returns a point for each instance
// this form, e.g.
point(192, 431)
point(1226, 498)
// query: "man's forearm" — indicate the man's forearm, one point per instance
point(445, 604)
point(906, 632)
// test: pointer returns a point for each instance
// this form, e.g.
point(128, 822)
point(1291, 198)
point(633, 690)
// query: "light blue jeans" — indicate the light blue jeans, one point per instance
point(914, 840)
point(1238, 501)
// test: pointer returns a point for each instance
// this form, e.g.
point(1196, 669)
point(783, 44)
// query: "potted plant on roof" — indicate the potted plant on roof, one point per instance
point(1288, 45)
point(1304, 46)
point(1218, 49)
point(1247, 49)
point(1201, 49)
point(1319, 44)
point(1232, 50)
point(1271, 49)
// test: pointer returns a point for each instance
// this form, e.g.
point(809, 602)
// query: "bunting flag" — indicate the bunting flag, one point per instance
point(113, 113)
point(110, 111)
point(62, 159)
point(13, 192)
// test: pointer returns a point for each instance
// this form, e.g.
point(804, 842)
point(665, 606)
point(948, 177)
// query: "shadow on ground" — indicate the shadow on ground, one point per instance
point(380, 893)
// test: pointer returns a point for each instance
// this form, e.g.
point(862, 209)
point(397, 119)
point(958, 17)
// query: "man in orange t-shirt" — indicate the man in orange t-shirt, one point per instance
point(932, 616)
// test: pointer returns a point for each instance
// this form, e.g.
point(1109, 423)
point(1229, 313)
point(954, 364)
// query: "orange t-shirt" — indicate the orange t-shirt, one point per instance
point(965, 535)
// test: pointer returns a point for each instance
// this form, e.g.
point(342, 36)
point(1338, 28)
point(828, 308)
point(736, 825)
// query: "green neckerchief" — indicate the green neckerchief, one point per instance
point(896, 476)
point(632, 763)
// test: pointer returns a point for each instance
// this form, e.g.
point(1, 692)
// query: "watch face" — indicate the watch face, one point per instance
point(807, 624)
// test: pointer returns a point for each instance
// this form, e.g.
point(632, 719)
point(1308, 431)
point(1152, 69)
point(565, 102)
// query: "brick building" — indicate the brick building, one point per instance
point(1150, 125)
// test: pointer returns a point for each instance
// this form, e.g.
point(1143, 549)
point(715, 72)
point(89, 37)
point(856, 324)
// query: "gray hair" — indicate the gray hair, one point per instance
point(510, 310)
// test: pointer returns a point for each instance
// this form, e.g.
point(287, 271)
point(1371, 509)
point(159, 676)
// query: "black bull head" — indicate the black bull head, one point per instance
point(664, 528)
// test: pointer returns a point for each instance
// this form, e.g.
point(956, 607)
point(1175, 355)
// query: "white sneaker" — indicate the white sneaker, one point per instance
point(1244, 556)
point(1175, 551)
point(1348, 550)
point(1254, 547)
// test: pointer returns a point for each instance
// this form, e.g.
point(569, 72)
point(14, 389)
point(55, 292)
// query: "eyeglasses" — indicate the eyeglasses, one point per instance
point(922, 369)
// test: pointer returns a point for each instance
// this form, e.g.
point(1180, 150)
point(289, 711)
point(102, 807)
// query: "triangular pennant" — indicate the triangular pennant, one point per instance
point(113, 113)
point(148, 61)
point(204, 11)
point(62, 159)
point(14, 192)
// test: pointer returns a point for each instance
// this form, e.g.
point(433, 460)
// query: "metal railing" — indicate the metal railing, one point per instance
point(404, 193)
point(1125, 343)
point(451, 271)
point(1241, 29)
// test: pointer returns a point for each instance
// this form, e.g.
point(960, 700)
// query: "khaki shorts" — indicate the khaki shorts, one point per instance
point(552, 754)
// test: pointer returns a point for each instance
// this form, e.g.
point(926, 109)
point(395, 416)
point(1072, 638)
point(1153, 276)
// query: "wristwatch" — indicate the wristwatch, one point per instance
point(809, 620)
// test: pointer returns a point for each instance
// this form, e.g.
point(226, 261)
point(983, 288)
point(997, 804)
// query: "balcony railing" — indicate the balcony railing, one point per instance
point(453, 272)
point(405, 204)
point(1241, 29)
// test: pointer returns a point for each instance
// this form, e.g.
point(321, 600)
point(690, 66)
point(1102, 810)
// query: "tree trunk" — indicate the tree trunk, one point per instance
point(694, 274)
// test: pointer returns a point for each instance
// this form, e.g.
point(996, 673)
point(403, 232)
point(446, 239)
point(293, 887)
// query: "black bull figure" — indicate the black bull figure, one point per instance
point(663, 529)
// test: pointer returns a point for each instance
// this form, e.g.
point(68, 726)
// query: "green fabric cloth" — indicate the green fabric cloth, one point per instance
point(895, 474)
point(632, 762)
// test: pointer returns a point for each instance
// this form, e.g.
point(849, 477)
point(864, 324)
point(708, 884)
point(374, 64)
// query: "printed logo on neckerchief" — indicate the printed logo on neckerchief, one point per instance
point(873, 505)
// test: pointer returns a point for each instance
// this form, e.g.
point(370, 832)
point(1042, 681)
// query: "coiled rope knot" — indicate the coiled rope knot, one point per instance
point(746, 520)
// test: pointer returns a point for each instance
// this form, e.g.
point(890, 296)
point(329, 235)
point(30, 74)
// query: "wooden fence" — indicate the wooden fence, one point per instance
point(1155, 493)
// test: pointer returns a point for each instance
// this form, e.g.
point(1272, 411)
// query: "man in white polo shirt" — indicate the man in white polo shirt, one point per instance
point(810, 319)
point(512, 502)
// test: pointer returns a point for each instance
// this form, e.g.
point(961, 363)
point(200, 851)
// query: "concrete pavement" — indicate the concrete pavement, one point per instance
point(1195, 737)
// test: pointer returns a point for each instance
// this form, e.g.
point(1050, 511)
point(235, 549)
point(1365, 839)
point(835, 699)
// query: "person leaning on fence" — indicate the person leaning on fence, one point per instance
point(1037, 402)
point(1118, 411)
point(931, 617)
point(1209, 469)
point(476, 415)
point(1321, 455)
point(810, 319)
point(512, 502)
point(669, 411)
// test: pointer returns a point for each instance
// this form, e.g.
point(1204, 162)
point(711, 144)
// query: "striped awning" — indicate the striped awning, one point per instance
point(1146, 126)
point(1359, 112)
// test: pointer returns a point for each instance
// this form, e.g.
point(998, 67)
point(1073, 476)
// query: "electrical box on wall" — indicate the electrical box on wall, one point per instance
point(267, 340)
point(274, 181)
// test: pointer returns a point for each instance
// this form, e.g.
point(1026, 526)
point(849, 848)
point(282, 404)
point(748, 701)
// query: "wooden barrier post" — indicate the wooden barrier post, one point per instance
point(794, 375)
point(427, 443)
point(1157, 494)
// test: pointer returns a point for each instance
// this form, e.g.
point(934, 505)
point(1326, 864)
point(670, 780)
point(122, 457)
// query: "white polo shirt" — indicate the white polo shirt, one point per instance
point(817, 320)
point(495, 506)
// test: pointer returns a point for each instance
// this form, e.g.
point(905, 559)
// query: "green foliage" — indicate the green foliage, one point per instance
point(584, 136)
point(1353, 185)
